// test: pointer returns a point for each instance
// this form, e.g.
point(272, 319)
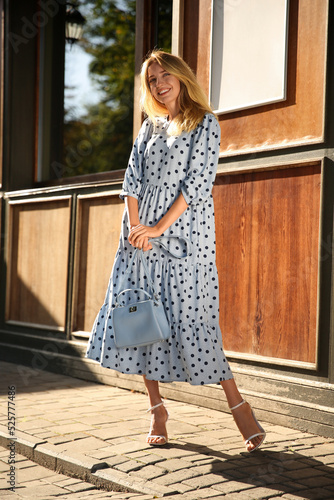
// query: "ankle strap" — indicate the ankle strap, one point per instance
point(237, 406)
point(154, 407)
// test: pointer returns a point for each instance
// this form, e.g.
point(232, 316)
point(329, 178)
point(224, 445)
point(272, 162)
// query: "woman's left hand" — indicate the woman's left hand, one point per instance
point(139, 236)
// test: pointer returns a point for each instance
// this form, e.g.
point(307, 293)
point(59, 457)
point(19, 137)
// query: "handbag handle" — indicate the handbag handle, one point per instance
point(117, 304)
point(159, 240)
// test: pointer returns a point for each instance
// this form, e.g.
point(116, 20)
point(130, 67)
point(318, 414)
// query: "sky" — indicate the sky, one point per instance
point(77, 76)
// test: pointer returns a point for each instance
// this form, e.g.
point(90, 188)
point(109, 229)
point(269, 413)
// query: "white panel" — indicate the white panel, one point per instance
point(248, 53)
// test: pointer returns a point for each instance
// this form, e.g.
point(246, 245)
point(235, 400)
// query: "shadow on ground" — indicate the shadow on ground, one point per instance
point(282, 471)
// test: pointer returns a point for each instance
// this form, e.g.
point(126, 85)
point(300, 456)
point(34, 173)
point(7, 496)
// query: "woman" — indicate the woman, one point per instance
point(167, 191)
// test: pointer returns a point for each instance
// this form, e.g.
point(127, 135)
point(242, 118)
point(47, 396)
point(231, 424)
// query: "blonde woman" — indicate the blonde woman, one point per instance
point(167, 192)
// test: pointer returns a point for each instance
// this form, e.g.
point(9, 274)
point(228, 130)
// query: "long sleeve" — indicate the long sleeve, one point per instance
point(134, 173)
point(202, 163)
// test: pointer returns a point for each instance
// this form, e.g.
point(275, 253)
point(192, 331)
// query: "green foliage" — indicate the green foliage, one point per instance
point(100, 143)
point(110, 39)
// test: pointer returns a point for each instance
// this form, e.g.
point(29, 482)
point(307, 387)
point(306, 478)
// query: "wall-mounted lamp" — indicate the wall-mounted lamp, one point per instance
point(74, 24)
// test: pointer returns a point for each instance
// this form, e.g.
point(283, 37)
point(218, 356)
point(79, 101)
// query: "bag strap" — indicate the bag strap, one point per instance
point(117, 303)
point(161, 241)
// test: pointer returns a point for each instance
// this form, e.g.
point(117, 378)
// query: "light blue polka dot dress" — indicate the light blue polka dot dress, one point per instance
point(160, 168)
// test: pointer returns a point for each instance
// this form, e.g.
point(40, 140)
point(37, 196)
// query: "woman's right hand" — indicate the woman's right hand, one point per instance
point(147, 245)
point(141, 242)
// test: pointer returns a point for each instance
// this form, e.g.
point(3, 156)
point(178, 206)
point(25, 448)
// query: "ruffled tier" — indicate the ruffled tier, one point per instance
point(189, 293)
point(194, 353)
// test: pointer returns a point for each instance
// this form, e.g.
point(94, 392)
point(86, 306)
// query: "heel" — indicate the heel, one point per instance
point(262, 432)
point(156, 436)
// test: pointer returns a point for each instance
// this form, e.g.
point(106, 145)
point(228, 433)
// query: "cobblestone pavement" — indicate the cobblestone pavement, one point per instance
point(35, 481)
point(75, 439)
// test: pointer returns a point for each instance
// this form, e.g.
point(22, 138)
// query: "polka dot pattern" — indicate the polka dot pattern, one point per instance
point(160, 168)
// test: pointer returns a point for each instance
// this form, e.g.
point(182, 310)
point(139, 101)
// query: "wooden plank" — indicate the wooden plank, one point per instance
point(21, 64)
point(177, 27)
point(38, 262)
point(267, 226)
point(97, 237)
point(190, 33)
point(197, 39)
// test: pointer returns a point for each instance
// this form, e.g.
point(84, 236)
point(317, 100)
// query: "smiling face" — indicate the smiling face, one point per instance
point(164, 87)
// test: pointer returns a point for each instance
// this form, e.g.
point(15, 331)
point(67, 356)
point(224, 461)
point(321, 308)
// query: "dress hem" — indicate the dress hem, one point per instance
point(163, 381)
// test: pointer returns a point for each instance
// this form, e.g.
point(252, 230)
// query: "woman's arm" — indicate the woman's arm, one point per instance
point(131, 204)
point(140, 234)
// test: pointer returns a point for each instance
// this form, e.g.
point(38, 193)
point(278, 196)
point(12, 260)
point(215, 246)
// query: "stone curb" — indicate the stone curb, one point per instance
point(76, 465)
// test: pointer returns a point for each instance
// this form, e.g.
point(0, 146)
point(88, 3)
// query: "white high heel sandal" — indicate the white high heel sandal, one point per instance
point(261, 433)
point(149, 435)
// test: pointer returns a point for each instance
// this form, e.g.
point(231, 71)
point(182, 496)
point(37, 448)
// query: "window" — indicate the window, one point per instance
point(86, 89)
point(98, 96)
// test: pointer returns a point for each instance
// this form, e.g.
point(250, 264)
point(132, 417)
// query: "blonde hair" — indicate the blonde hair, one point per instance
point(192, 99)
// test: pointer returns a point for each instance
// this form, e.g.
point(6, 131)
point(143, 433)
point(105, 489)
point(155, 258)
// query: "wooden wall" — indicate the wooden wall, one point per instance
point(97, 237)
point(268, 256)
point(49, 280)
point(38, 255)
point(267, 225)
point(268, 219)
point(297, 120)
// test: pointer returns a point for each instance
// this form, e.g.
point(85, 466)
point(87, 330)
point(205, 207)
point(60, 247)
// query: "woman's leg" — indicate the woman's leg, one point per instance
point(159, 415)
point(243, 415)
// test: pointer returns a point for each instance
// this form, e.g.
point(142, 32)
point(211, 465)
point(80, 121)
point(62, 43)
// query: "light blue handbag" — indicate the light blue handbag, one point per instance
point(144, 322)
